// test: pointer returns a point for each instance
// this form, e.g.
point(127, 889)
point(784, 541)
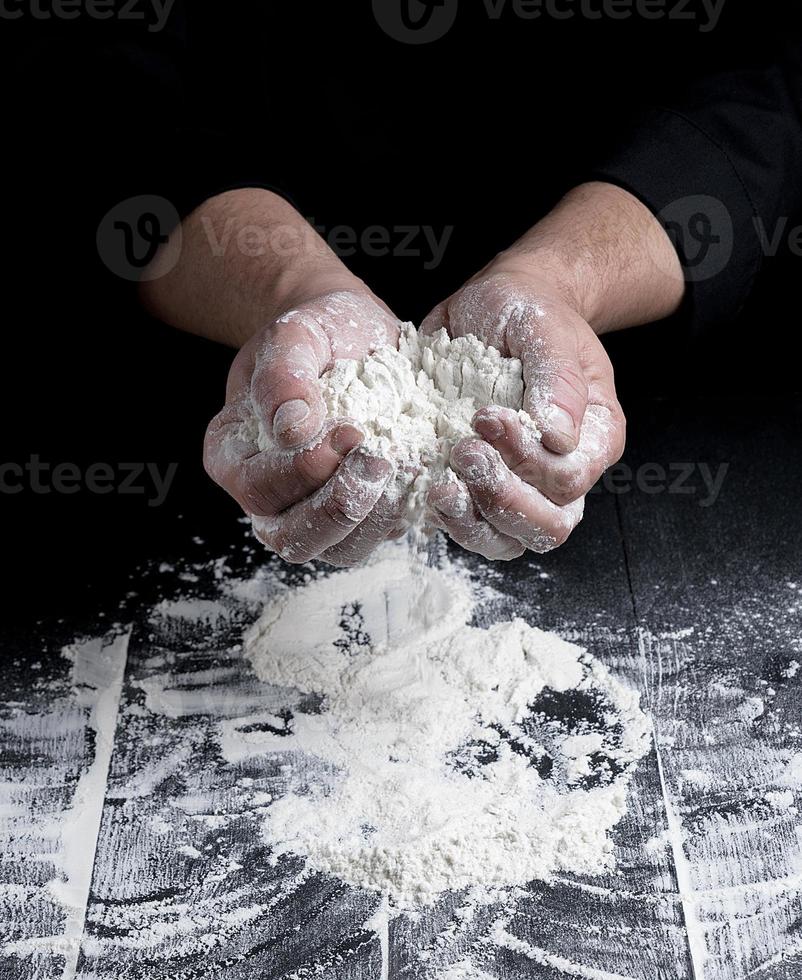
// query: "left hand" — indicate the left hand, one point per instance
point(516, 491)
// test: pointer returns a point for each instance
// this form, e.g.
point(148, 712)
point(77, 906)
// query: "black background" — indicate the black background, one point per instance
point(481, 131)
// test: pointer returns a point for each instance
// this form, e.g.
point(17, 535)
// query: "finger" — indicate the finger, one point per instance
point(556, 391)
point(562, 479)
point(455, 513)
point(266, 483)
point(284, 386)
point(436, 320)
point(310, 527)
point(386, 520)
point(510, 505)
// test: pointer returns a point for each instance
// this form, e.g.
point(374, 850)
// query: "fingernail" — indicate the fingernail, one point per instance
point(473, 466)
point(561, 423)
point(345, 438)
point(489, 428)
point(289, 414)
point(372, 469)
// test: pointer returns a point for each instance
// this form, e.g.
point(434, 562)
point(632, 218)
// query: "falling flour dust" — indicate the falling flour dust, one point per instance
point(449, 756)
point(416, 403)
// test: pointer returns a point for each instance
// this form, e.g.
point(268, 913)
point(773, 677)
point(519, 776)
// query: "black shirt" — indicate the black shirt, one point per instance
point(480, 130)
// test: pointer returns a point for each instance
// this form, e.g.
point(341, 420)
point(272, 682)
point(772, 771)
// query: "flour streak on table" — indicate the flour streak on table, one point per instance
point(58, 723)
point(708, 884)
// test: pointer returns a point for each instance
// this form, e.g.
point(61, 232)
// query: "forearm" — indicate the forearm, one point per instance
point(246, 257)
point(608, 256)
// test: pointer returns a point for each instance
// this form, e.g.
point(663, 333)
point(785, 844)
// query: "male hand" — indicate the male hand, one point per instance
point(311, 491)
point(518, 492)
point(599, 261)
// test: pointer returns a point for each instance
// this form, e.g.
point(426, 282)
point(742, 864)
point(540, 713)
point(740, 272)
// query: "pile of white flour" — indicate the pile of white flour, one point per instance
point(445, 756)
point(415, 403)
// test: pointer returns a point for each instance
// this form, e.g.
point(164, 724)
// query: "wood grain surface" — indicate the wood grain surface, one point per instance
point(699, 607)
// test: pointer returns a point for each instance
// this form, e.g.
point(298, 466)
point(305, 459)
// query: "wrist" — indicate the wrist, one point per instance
point(606, 255)
point(544, 271)
point(280, 261)
point(246, 257)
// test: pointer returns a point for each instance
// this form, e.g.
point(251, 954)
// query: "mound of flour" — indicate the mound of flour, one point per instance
point(440, 756)
point(415, 403)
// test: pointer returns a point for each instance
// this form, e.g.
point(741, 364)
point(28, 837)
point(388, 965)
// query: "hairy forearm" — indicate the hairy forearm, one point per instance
point(246, 257)
point(608, 255)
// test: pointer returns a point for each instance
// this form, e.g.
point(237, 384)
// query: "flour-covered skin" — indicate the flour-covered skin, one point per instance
point(302, 476)
point(526, 492)
point(344, 428)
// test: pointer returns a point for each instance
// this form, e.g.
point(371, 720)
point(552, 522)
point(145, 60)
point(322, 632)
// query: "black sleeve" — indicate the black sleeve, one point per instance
point(721, 166)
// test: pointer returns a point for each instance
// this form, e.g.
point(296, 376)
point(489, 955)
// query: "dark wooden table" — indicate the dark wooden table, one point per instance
point(693, 597)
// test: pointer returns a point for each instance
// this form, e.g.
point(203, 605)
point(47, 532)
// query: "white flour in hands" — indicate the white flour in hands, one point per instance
point(439, 756)
point(417, 402)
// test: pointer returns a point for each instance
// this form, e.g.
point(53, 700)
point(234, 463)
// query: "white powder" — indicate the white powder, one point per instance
point(445, 756)
point(463, 970)
point(416, 403)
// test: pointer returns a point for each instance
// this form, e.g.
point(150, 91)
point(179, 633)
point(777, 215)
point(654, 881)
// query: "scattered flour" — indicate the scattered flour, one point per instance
point(448, 756)
point(780, 799)
point(195, 610)
point(463, 970)
point(416, 403)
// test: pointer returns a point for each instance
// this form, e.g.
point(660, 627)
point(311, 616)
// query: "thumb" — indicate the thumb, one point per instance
point(436, 320)
point(556, 393)
point(285, 383)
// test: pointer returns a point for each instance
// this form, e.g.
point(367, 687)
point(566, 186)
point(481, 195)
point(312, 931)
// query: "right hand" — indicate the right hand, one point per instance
point(310, 491)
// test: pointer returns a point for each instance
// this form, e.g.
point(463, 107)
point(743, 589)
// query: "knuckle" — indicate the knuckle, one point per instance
point(554, 532)
point(490, 550)
point(561, 534)
point(339, 558)
point(214, 446)
point(480, 538)
point(265, 531)
point(290, 551)
point(500, 499)
point(607, 429)
point(257, 497)
point(340, 510)
point(523, 459)
point(213, 464)
point(565, 521)
point(309, 469)
point(229, 475)
point(486, 552)
point(541, 542)
point(510, 552)
point(341, 562)
point(570, 481)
